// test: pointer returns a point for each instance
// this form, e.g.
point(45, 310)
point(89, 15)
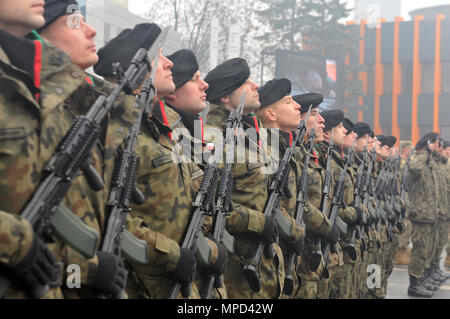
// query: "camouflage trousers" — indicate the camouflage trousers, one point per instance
point(371, 258)
point(441, 238)
point(356, 273)
point(390, 253)
point(324, 286)
point(378, 259)
point(145, 286)
point(342, 281)
point(405, 238)
point(422, 239)
point(271, 274)
point(308, 280)
point(360, 272)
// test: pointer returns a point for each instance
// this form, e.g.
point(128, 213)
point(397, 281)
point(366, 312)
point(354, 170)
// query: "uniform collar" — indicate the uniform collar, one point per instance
point(25, 56)
point(193, 123)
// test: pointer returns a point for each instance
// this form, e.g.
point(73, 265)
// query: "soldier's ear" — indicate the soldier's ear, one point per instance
point(226, 99)
point(171, 97)
point(270, 114)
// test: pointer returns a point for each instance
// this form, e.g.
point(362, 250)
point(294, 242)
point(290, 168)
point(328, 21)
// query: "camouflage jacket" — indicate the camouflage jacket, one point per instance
point(445, 188)
point(169, 182)
point(315, 221)
point(16, 237)
point(288, 205)
point(250, 193)
point(347, 214)
point(424, 180)
point(31, 129)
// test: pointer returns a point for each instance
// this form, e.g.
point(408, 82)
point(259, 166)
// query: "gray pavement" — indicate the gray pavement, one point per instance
point(399, 281)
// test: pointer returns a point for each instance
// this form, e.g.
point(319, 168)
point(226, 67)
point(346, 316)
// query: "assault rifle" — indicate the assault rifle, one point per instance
point(224, 204)
point(124, 189)
point(356, 231)
point(302, 199)
point(276, 190)
point(202, 205)
point(316, 256)
point(338, 198)
point(404, 187)
point(381, 186)
point(44, 210)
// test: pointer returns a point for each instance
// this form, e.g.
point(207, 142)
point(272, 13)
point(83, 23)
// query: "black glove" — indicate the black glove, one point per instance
point(298, 246)
point(333, 235)
point(218, 268)
point(270, 232)
point(111, 275)
point(359, 216)
point(186, 267)
point(369, 221)
point(39, 267)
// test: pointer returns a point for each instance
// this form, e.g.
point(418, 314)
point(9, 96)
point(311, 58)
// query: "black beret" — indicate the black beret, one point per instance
point(332, 118)
point(53, 9)
point(432, 137)
point(348, 124)
point(308, 99)
point(391, 140)
point(383, 139)
point(226, 77)
point(274, 91)
point(185, 65)
point(123, 47)
point(362, 129)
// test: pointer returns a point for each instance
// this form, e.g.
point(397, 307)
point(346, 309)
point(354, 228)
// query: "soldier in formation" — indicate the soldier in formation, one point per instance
point(188, 187)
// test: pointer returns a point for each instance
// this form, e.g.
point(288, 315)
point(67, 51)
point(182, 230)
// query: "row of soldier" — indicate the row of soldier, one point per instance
point(352, 206)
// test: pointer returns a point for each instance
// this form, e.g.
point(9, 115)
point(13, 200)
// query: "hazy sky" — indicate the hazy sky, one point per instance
point(407, 5)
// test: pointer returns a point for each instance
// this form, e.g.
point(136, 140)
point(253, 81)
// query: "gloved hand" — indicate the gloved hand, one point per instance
point(369, 221)
point(186, 267)
point(39, 267)
point(270, 233)
point(218, 268)
point(359, 216)
point(111, 275)
point(297, 247)
point(333, 235)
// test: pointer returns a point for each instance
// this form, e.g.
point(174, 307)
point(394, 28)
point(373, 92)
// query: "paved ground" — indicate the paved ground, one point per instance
point(399, 281)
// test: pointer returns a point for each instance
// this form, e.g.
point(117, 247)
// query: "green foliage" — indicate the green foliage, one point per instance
point(315, 25)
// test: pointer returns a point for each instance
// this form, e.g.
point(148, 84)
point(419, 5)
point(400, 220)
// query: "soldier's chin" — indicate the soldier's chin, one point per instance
point(37, 21)
point(252, 107)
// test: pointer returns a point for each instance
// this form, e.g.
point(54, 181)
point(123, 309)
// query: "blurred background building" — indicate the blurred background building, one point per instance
point(110, 17)
point(407, 74)
point(367, 9)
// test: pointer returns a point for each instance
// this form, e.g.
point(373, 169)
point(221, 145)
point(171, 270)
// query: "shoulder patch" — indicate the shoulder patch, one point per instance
point(161, 160)
point(253, 166)
point(197, 174)
point(14, 133)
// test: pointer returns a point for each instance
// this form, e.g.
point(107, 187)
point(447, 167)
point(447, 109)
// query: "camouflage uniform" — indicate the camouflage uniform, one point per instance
point(250, 193)
point(30, 136)
point(393, 246)
point(169, 189)
point(194, 147)
point(317, 226)
point(442, 231)
point(342, 280)
point(338, 284)
point(358, 274)
point(423, 182)
point(404, 238)
point(16, 237)
point(288, 205)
